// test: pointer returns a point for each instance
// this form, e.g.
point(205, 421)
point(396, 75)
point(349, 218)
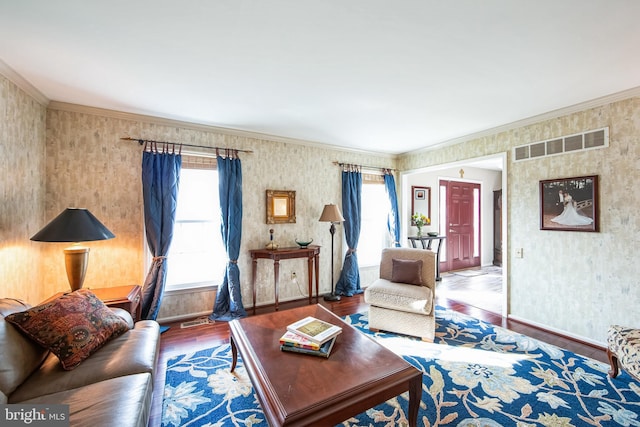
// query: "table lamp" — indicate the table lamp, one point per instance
point(74, 225)
point(331, 214)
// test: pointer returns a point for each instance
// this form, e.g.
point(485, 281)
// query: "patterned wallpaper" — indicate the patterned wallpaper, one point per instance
point(22, 178)
point(89, 166)
point(574, 282)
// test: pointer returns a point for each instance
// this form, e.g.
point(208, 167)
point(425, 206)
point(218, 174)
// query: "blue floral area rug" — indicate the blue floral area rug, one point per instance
point(474, 374)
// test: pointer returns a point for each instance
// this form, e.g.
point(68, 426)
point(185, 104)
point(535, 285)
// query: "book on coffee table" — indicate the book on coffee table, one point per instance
point(295, 340)
point(315, 330)
point(323, 351)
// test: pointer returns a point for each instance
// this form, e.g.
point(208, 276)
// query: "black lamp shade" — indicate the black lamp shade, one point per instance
point(73, 225)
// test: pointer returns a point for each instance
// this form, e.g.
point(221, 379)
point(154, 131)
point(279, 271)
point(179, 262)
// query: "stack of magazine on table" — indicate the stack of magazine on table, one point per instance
point(310, 336)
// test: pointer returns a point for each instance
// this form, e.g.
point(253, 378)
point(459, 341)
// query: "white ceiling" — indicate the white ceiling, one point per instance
point(386, 76)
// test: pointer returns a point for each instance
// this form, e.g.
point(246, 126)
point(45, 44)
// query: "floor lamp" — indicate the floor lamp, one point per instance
point(331, 214)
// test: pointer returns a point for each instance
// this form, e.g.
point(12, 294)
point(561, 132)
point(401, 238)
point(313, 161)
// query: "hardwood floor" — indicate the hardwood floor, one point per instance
point(178, 341)
point(478, 287)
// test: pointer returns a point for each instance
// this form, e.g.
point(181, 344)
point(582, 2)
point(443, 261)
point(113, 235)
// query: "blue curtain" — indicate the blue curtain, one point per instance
point(349, 281)
point(393, 220)
point(228, 305)
point(160, 181)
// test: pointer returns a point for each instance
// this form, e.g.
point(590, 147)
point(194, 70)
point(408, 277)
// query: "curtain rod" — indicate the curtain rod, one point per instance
point(142, 141)
point(364, 166)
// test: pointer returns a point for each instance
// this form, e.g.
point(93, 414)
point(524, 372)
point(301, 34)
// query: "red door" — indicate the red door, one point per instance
point(461, 215)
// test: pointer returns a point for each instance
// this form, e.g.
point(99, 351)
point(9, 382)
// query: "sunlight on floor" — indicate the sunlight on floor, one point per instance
point(404, 346)
point(483, 291)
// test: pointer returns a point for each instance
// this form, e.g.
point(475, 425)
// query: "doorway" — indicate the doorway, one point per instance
point(490, 173)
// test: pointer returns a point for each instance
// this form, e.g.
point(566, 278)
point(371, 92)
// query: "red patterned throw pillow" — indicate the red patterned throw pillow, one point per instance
point(72, 326)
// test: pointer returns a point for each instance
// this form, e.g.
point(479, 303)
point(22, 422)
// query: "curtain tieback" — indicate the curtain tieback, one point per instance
point(233, 261)
point(351, 251)
point(158, 258)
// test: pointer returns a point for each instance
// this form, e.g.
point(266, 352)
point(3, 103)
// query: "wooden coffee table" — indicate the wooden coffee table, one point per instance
point(296, 389)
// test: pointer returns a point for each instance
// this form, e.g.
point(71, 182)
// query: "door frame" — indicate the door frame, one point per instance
point(478, 162)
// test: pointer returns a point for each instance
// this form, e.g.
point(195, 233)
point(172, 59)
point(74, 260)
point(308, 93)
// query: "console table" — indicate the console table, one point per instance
point(311, 252)
point(426, 244)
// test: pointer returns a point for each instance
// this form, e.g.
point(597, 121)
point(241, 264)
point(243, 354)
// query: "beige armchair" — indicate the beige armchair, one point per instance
point(402, 300)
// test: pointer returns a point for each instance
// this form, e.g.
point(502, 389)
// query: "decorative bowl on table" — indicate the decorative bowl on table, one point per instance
point(304, 243)
point(432, 233)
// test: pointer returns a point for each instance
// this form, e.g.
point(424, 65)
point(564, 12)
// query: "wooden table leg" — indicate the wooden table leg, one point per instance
point(317, 272)
point(310, 276)
point(438, 278)
point(253, 283)
point(234, 353)
point(415, 395)
point(276, 279)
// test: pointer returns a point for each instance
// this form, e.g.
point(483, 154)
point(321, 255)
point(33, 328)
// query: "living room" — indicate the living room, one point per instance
point(57, 154)
point(574, 276)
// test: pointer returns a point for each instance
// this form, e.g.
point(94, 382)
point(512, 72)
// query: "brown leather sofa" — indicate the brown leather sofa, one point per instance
point(113, 387)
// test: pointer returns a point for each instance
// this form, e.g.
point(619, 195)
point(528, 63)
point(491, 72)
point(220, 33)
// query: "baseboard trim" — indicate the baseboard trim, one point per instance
point(546, 328)
point(248, 309)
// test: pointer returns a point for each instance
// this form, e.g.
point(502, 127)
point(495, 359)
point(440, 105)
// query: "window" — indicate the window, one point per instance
point(476, 222)
point(196, 256)
point(374, 234)
point(443, 224)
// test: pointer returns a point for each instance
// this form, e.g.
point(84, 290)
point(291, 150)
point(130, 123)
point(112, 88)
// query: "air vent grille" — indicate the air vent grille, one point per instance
point(196, 322)
point(598, 138)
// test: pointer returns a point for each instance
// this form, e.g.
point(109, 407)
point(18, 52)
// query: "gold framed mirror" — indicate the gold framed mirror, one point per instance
point(281, 207)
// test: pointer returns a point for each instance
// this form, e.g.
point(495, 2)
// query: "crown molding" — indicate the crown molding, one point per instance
point(22, 83)
point(594, 103)
point(31, 90)
point(84, 109)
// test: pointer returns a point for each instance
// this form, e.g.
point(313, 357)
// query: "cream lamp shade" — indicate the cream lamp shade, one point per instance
point(74, 225)
point(331, 213)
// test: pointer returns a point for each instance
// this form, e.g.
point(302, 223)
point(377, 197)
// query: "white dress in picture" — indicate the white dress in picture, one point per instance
point(570, 216)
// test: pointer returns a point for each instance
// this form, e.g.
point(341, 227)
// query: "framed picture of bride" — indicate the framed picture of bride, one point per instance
point(569, 204)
